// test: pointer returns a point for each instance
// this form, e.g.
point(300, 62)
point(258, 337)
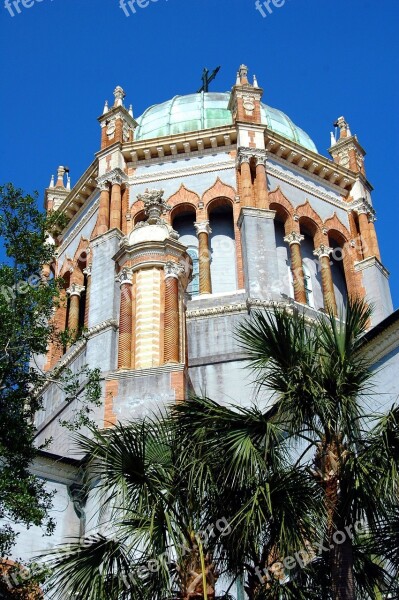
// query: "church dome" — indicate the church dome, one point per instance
point(206, 110)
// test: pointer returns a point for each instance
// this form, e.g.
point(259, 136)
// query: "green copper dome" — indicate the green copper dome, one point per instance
point(206, 110)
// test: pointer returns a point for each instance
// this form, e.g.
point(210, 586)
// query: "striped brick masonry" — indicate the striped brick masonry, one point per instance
point(203, 230)
point(262, 200)
point(323, 254)
point(104, 209)
point(126, 320)
point(74, 292)
point(294, 240)
point(246, 180)
point(87, 272)
point(116, 206)
point(173, 271)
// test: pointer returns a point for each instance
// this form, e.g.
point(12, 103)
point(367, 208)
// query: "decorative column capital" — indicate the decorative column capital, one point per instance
point(202, 227)
point(294, 238)
point(75, 290)
point(87, 271)
point(154, 205)
point(322, 251)
point(116, 176)
point(124, 277)
point(173, 269)
point(243, 157)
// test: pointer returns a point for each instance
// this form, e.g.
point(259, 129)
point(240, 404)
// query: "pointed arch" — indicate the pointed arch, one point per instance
point(183, 195)
point(284, 209)
point(218, 190)
point(307, 216)
point(334, 223)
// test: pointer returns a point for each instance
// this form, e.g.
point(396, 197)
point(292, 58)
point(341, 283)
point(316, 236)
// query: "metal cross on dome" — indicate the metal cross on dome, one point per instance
point(207, 80)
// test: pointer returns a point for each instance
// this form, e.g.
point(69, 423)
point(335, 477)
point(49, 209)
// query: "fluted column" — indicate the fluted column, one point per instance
point(87, 272)
point(203, 230)
point(261, 183)
point(104, 209)
point(116, 206)
point(125, 320)
point(246, 181)
point(323, 254)
point(294, 240)
point(172, 325)
point(74, 292)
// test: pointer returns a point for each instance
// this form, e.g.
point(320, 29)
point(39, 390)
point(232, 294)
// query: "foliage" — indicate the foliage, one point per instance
point(26, 309)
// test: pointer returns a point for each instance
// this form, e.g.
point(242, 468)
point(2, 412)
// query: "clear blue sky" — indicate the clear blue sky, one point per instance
point(315, 59)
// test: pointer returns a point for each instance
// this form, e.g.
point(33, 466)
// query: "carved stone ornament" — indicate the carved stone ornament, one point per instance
point(124, 277)
point(154, 205)
point(75, 290)
point(173, 269)
point(248, 104)
point(294, 238)
point(323, 250)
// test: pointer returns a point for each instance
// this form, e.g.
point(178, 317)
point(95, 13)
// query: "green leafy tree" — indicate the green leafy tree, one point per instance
point(317, 430)
point(26, 308)
point(157, 540)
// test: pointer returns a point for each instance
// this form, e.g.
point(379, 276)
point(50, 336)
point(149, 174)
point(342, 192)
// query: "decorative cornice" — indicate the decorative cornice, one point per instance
point(79, 226)
point(372, 261)
point(76, 349)
point(383, 344)
point(186, 172)
point(116, 176)
point(289, 177)
point(262, 213)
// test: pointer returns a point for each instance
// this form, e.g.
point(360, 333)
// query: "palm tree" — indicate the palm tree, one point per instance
point(316, 429)
point(160, 542)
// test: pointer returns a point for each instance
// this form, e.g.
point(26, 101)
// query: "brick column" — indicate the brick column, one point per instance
point(125, 320)
point(373, 238)
point(367, 234)
point(323, 254)
point(87, 272)
point(246, 181)
point(116, 206)
point(203, 230)
point(103, 212)
point(74, 293)
point(294, 240)
point(172, 321)
point(262, 192)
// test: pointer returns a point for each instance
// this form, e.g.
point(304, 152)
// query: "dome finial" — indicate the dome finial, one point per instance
point(119, 96)
point(344, 127)
point(255, 84)
point(243, 72)
point(106, 108)
point(333, 140)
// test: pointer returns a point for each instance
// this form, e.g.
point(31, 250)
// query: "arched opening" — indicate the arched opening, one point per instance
point(285, 285)
point(183, 219)
point(337, 242)
point(139, 217)
point(222, 245)
point(311, 266)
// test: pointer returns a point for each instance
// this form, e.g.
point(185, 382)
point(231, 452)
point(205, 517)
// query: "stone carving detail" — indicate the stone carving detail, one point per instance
point(173, 269)
point(202, 227)
point(154, 205)
point(323, 250)
point(112, 177)
point(294, 238)
point(75, 290)
point(124, 277)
